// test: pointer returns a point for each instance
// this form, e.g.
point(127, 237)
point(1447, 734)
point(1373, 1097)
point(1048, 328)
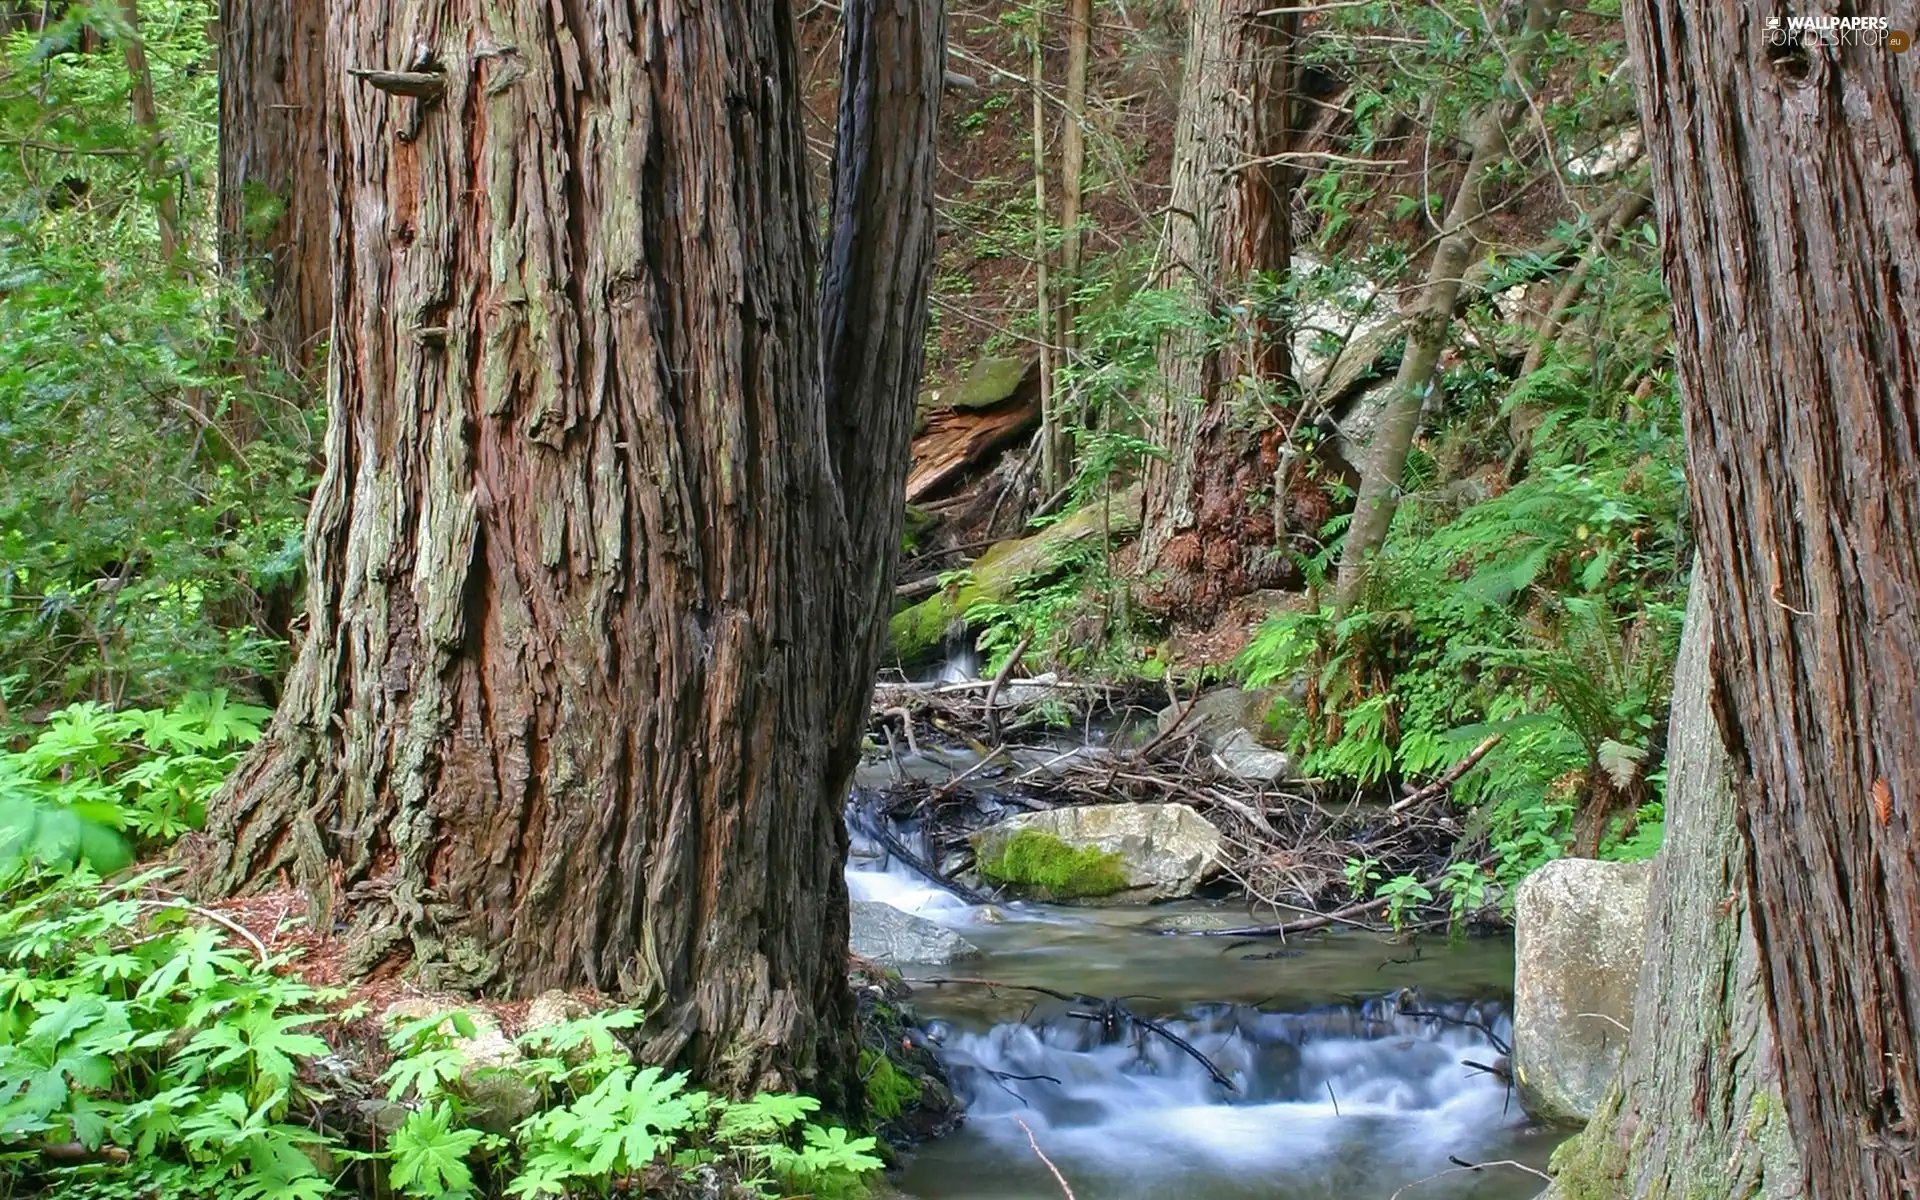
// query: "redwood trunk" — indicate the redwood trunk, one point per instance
point(597, 561)
point(275, 190)
point(1206, 538)
point(1696, 1110)
point(1789, 196)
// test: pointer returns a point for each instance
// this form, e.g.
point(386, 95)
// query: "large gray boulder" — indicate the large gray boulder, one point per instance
point(891, 937)
point(1579, 933)
point(1145, 852)
point(1232, 723)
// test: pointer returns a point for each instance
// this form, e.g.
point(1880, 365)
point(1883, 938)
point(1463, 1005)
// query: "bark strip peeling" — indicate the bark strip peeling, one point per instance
point(597, 562)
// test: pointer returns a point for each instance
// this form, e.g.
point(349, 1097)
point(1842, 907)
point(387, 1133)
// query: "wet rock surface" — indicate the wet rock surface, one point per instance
point(1579, 934)
point(890, 937)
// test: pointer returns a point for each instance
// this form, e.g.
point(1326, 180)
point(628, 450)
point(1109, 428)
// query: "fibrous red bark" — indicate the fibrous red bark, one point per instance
point(1788, 186)
point(275, 192)
point(1206, 538)
point(607, 526)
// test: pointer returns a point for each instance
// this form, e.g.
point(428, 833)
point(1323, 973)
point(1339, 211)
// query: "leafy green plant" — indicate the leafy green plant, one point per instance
point(1403, 893)
point(152, 475)
point(429, 1154)
point(129, 1026)
point(91, 774)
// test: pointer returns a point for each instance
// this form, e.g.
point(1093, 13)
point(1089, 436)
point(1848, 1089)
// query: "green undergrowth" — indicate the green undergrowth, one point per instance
point(1051, 868)
point(149, 1050)
point(153, 470)
point(1530, 592)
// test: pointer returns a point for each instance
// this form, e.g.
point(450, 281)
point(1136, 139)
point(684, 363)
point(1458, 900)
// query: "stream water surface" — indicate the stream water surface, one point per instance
point(1338, 1093)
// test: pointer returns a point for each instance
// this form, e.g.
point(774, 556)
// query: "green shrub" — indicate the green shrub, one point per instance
point(91, 776)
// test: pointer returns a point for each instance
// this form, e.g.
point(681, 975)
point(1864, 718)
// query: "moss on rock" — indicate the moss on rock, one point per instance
point(1053, 870)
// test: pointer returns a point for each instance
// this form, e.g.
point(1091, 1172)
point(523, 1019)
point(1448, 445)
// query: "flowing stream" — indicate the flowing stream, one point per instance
point(1339, 1094)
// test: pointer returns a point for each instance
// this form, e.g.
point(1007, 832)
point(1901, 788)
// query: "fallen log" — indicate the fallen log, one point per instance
point(915, 633)
point(964, 424)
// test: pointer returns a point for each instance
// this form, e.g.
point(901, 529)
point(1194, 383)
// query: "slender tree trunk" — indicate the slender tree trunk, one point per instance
point(275, 192)
point(147, 117)
point(1053, 464)
point(611, 502)
point(1785, 183)
point(1073, 149)
point(1068, 408)
point(1696, 1110)
point(1386, 458)
point(1206, 539)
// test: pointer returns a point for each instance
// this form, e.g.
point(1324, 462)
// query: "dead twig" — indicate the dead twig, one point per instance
point(259, 947)
point(999, 679)
point(1057, 1176)
point(906, 723)
point(1179, 719)
point(1462, 1165)
point(1473, 1023)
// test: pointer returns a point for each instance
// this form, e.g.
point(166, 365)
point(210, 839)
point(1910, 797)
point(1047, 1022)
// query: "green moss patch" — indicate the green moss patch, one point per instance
point(889, 1089)
point(1051, 869)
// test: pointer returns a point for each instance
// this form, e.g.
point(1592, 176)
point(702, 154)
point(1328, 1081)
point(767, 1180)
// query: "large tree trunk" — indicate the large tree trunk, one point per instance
point(607, 524)
point(1696, 1110)
point(1786, 186)
point(275, 191)
point(1413, 383)
point(1205, 539)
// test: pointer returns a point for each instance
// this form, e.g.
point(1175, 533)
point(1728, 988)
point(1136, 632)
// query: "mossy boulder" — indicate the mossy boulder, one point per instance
point(1132, 853)
point(989, 381)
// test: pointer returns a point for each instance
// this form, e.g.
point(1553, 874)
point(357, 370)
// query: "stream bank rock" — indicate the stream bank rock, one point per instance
point(1579, 932)
point(489, 1081)
point(890, 937)
point(1133, 853)
point(1233, 724)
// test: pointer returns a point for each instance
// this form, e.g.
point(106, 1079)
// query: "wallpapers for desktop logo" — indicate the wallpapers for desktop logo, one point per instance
point(1828, 30)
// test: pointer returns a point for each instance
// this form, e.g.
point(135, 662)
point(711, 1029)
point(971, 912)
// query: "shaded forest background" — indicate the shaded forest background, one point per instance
point(156, 462)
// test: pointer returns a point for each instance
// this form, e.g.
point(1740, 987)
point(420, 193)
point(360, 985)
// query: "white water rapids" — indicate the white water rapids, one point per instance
point(1338, 1095)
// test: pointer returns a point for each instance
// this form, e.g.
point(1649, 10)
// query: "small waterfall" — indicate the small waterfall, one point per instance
point(1346, 1101)
point(873, 874)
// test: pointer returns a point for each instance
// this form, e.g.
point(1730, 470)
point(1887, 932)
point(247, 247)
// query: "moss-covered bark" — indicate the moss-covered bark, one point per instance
point(916, 632)
point(1696, 1112)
